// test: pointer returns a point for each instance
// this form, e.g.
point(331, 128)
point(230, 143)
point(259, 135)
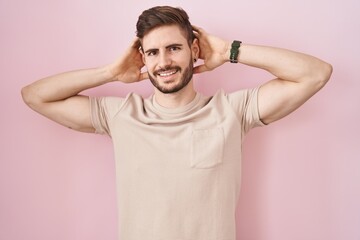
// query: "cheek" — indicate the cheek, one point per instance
point(148, 64)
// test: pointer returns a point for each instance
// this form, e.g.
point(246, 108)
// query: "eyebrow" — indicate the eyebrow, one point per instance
point(167, 47)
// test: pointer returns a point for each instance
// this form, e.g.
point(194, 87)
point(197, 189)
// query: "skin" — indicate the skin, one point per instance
point(298, 76)
point(159, 53)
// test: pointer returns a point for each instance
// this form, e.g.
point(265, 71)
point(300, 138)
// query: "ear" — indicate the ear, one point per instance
point(142, 54)
point(195, 49)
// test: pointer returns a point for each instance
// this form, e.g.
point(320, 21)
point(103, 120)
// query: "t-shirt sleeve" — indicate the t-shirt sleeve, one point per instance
point(102, 111)
point(245, 105)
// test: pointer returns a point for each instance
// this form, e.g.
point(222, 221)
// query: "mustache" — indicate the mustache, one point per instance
point(167, 68)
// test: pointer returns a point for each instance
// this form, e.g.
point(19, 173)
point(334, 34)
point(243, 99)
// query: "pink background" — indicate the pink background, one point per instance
point(301, 175)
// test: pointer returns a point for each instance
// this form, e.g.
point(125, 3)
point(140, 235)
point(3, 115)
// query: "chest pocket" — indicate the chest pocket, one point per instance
point(207, 147)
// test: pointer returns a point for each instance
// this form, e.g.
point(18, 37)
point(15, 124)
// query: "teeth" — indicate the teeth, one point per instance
point(167, 74)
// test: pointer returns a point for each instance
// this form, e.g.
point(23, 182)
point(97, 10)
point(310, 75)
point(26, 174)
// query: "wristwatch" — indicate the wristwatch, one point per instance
point(234, 51)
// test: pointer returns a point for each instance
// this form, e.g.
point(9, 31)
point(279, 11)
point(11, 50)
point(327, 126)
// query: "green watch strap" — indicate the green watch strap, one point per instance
point(234, 51)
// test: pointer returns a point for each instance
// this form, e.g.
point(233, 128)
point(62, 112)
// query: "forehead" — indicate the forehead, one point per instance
point(163, 36)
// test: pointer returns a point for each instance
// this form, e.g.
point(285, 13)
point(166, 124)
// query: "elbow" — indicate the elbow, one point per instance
point(29, 97)
point(321, 75)
point(324, 73)
point(26, 96)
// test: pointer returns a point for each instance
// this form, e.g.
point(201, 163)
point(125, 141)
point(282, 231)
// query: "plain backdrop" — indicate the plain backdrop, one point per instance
point(301, 175)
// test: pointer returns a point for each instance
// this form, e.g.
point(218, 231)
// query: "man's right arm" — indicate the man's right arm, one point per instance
point(57, 97)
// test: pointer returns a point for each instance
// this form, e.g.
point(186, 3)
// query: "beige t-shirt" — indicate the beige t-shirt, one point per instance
point(178, 171)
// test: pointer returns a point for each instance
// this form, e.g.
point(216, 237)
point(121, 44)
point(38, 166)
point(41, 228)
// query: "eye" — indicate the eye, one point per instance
point(174, 49)
point(151, 53)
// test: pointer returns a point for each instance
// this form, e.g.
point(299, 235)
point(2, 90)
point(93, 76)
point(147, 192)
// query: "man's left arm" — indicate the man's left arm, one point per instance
point(298, 76)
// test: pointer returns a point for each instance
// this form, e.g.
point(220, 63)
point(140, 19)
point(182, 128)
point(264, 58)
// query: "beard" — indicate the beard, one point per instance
point(186, 76)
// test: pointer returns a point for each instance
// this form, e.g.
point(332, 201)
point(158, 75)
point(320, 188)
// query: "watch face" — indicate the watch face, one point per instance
point(234, 51)
point(235, 44)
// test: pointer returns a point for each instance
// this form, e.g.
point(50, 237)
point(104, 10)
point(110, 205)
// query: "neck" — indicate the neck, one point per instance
point(178, 99)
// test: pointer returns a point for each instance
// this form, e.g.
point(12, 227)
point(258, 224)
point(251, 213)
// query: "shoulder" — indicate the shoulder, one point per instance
point(240, 96)
point(114, 104)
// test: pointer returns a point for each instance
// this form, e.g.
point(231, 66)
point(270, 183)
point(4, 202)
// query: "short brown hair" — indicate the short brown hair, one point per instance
point(162, 16)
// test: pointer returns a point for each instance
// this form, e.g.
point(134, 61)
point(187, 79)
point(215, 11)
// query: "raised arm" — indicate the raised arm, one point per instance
point(57, 97)
point(298, 76)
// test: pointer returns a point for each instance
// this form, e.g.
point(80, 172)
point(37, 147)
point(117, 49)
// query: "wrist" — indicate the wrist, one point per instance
point(108, 73)
point(235, 51)
point(227, 52)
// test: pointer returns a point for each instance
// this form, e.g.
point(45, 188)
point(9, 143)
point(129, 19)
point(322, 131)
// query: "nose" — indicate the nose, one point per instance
point(164, 60)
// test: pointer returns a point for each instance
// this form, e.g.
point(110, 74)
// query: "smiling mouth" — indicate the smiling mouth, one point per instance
point(167, 73)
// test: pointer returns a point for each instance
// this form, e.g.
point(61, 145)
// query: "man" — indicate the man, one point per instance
point(178, 153)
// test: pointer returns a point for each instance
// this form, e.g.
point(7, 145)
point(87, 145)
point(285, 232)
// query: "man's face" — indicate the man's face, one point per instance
point(168, 58)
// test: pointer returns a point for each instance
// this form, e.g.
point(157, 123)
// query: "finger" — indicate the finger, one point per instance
point(196, 28)
point(136, 43)
point(196, 34)
point(200, 69)
point(143, 76)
